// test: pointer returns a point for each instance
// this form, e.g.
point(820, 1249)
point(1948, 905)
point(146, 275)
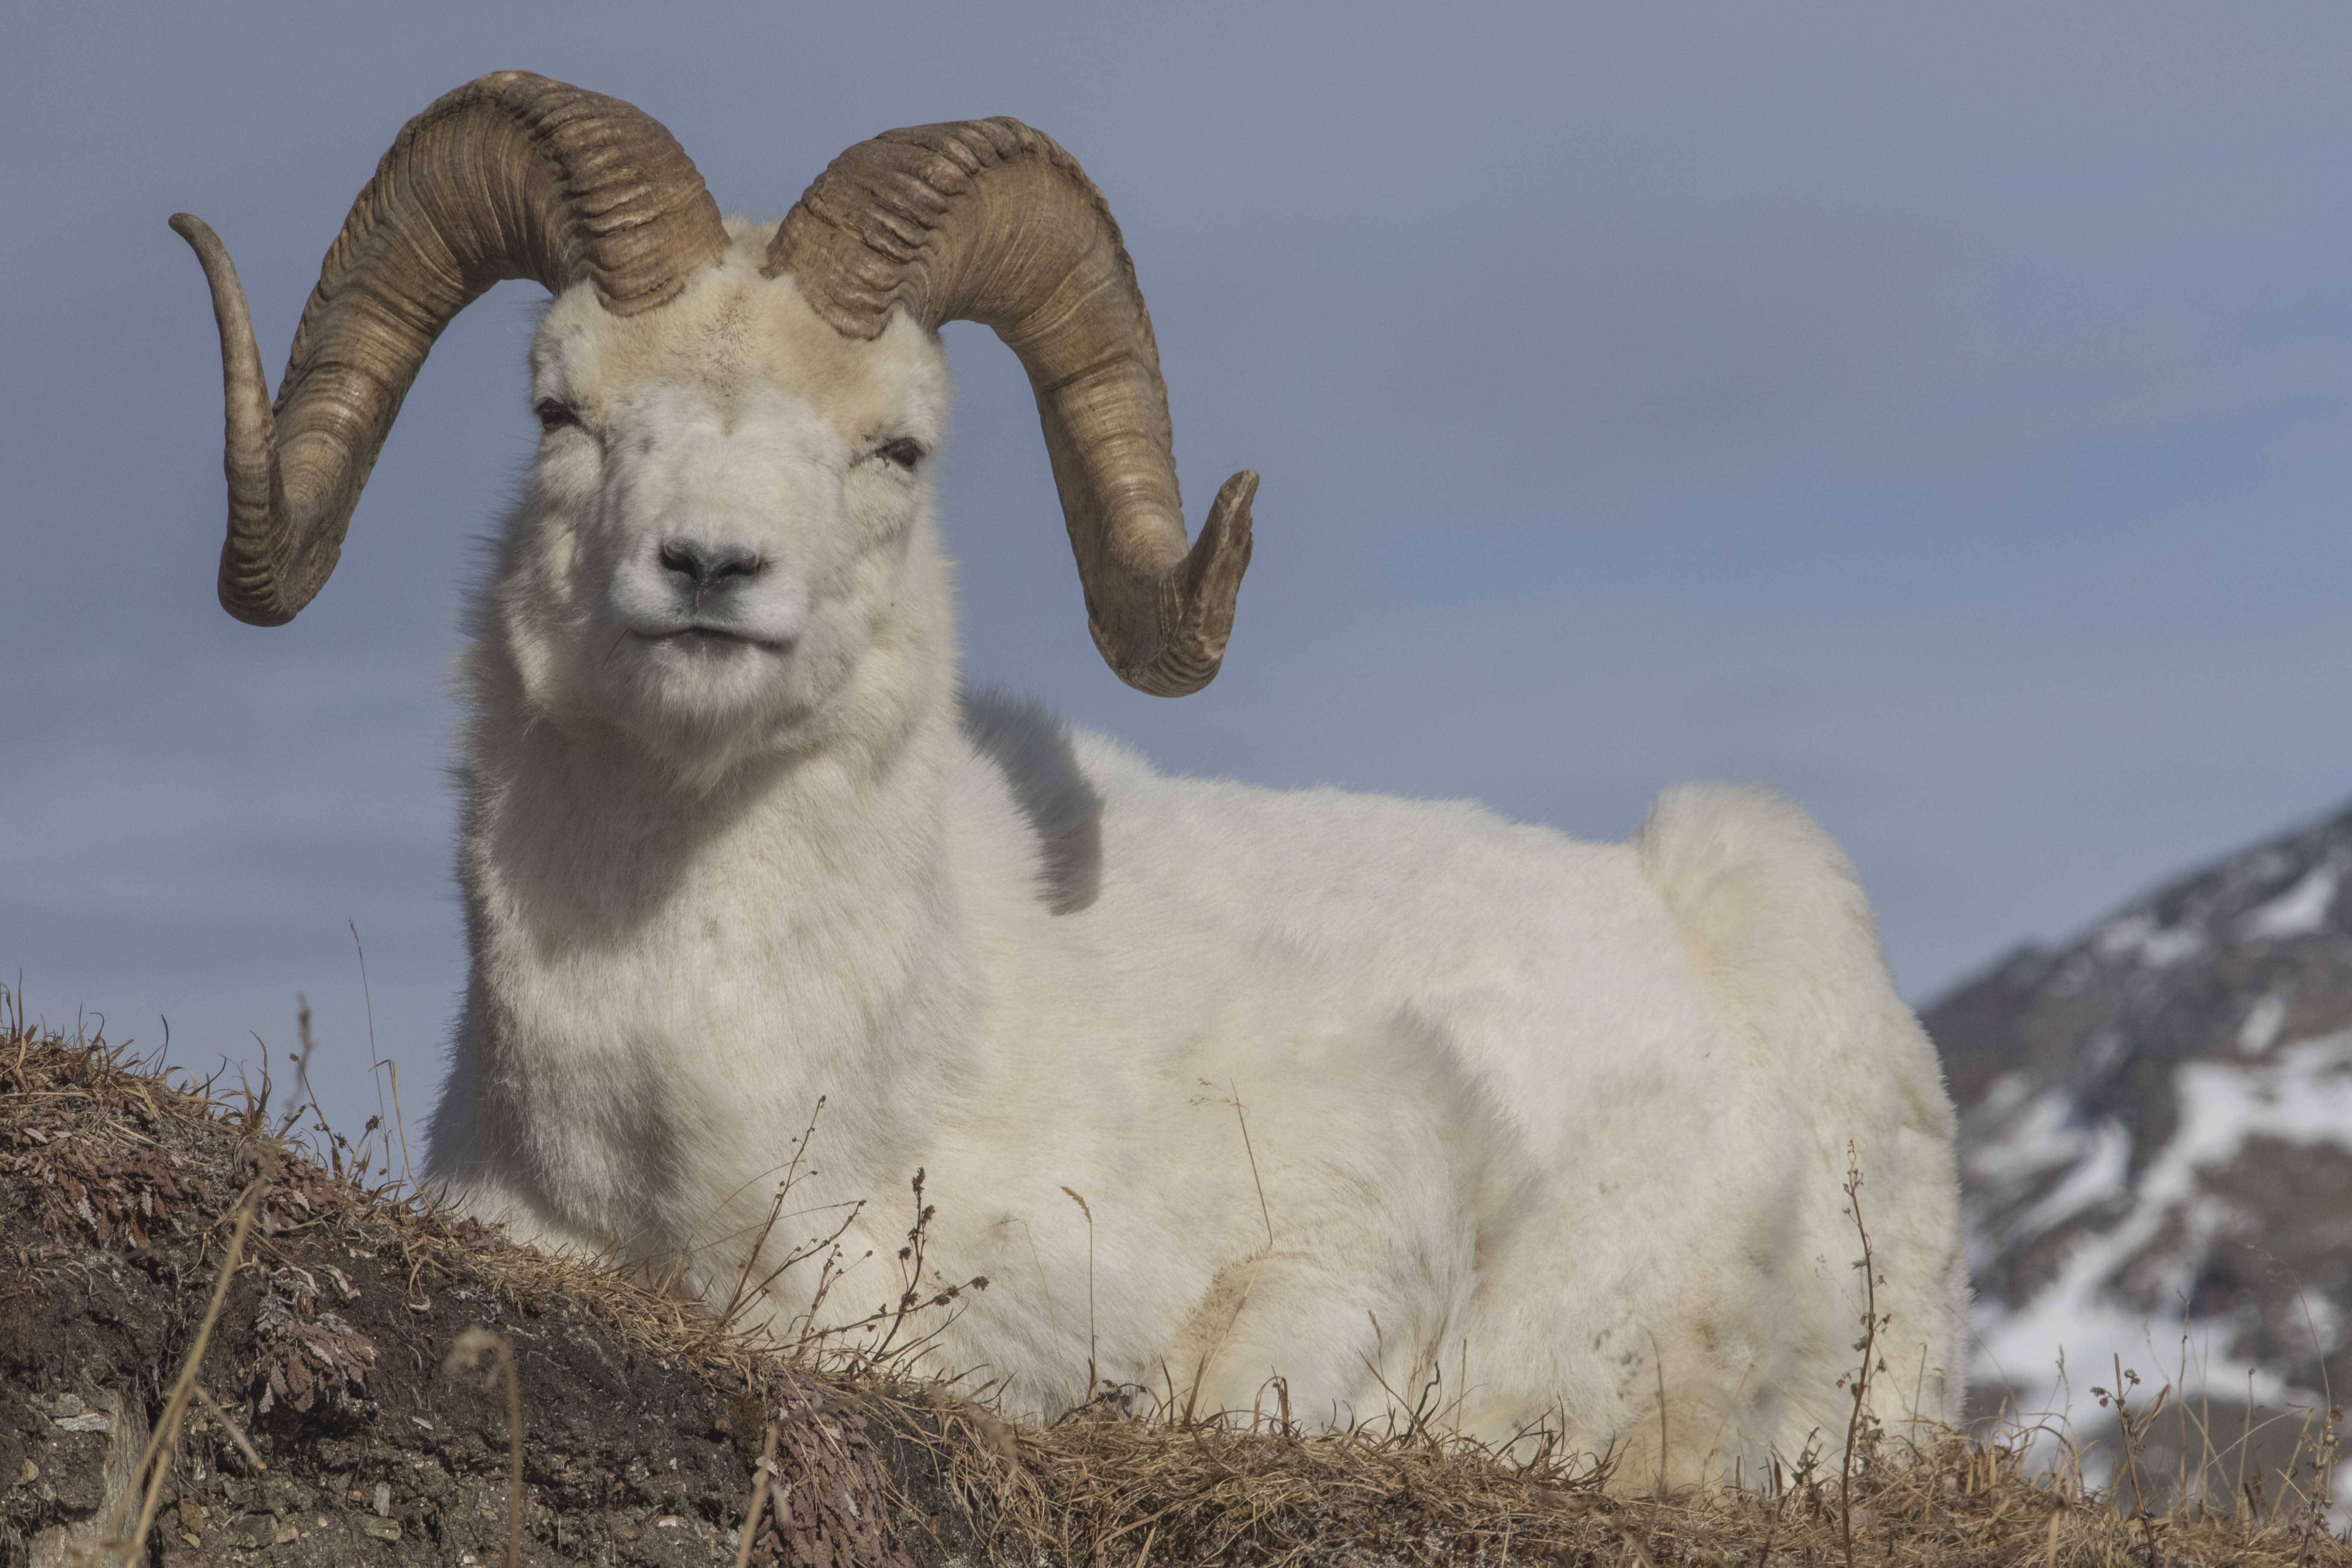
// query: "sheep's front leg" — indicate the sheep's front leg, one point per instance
point(493, 1204)
point(1323, 1336)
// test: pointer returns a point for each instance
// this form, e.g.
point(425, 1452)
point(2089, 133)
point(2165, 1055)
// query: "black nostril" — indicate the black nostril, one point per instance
point(706, 565)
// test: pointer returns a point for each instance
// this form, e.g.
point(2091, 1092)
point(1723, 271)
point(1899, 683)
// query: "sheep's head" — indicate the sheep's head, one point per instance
point(718, 534)
point(735, 435)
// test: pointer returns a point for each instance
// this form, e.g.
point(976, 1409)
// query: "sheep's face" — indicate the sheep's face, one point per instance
point(722, 510)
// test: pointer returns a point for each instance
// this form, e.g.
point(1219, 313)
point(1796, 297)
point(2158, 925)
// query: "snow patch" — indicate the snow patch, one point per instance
point(2140, 937)
point(2099, 1176)
point(2302, 1095)
point(2263, 1021)
point(2046, 1132)
point(2301, 911)
point(2005, 1094)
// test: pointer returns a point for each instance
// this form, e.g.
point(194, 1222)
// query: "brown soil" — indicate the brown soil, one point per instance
point(331, 1430)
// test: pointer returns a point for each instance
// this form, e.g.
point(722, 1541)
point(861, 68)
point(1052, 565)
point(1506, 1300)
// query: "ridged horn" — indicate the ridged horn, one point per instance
point(990, 221)
point(511, 175)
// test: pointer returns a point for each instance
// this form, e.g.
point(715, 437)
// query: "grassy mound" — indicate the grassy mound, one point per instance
point(223, 1348)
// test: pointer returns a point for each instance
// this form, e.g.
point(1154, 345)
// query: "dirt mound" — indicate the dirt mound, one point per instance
point(319, 1371)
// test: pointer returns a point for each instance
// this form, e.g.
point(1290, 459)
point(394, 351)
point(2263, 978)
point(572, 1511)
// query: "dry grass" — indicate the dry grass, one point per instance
point(1128, 1479)
point(1132, 1490)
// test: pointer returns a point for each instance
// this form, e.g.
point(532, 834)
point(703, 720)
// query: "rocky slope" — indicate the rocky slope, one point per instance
point(2156, 1142)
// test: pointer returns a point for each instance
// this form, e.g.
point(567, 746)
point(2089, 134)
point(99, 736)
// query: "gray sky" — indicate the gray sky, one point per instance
point(1943, 413)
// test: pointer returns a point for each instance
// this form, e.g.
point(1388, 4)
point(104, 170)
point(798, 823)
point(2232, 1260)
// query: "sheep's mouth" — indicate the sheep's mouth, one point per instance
point(700, 637)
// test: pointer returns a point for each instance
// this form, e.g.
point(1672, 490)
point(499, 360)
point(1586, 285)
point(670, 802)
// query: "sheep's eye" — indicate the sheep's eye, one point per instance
point(906, 451)
point(554, 413)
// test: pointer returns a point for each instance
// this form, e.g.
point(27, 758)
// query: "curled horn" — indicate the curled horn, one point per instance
point(511, 175)
point(988, 220)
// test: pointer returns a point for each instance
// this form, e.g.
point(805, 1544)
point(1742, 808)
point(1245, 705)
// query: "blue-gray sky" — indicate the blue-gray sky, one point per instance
point(1943, 413)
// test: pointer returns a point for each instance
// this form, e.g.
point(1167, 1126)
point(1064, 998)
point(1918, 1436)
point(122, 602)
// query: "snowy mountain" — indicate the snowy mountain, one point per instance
point(2157, 1142)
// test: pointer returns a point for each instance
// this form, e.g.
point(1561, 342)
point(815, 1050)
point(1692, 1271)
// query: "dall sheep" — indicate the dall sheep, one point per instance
point(1562, 1124)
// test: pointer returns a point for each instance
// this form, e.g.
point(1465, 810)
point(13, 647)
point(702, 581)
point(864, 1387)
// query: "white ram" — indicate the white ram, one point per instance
point(1562, 1124)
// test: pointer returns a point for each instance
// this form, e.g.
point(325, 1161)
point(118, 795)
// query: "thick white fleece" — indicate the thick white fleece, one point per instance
point(1562, 1123)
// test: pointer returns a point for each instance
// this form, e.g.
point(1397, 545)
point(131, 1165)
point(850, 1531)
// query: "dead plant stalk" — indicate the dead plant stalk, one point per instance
point(157, 1458)
point(467, 1353)
point(759, 1496)
point(1868, 1345)
point(399, 1121)
point(1093, 1373)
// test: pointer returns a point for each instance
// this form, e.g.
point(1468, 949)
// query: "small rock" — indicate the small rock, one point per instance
point(66, 1404)
point(286, 1534)
point(27, 1473)
point(379, 1529)
point(192, 1516)
point(384, 1500)
point(92, 1422)
point(254, 1532)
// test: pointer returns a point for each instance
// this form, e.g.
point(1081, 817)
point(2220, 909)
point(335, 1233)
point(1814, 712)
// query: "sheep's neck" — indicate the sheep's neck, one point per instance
point(676, 967)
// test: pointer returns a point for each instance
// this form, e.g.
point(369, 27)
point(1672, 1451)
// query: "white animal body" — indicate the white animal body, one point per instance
point(1358, 1091)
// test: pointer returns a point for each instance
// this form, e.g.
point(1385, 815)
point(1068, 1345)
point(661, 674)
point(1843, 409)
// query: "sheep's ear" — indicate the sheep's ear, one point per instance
point(511, 175)
point(988, 220)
